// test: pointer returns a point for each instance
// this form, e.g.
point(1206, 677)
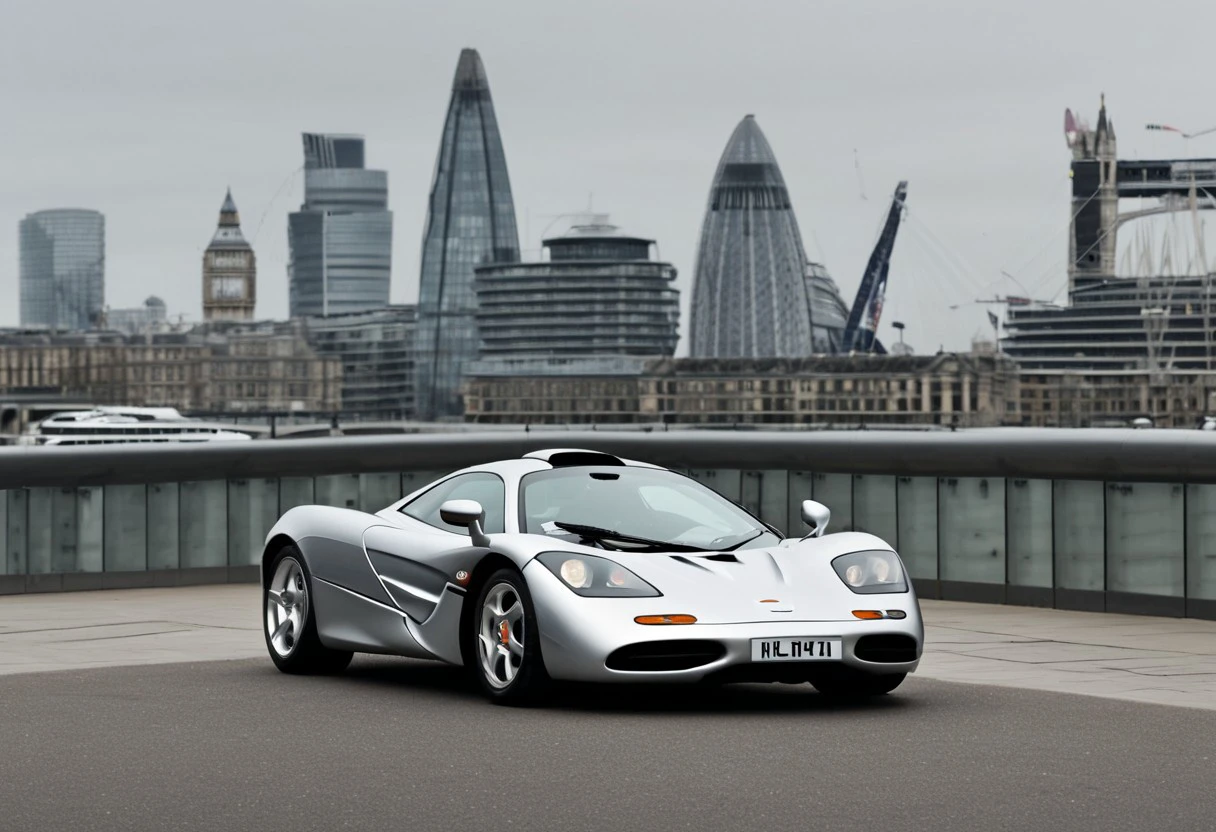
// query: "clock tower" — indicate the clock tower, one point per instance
point(229, 270)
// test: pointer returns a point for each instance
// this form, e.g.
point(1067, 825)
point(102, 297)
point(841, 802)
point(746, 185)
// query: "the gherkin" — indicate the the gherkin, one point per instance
point(750, 292)
point(470, 222)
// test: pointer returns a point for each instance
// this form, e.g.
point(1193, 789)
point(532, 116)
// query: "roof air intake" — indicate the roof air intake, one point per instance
point(573, 457)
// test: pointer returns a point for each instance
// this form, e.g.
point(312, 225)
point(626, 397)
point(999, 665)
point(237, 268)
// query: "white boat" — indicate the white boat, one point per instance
point(108, 425)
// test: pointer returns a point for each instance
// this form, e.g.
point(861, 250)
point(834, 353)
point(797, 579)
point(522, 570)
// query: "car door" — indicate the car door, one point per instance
point(418, 560)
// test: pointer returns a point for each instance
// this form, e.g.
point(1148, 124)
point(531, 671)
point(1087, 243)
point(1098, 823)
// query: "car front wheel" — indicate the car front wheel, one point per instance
point(506, 643)
point(290, 623)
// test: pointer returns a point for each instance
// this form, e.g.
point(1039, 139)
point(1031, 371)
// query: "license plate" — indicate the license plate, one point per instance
point(796, 649)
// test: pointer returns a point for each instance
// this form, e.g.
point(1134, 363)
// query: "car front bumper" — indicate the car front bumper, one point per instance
point(579, 634)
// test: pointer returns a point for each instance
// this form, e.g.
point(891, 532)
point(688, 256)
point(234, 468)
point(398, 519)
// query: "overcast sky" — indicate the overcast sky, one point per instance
point(148, 109)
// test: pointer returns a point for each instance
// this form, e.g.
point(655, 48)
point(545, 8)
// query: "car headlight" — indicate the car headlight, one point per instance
point(868, 573)
point(594, 577)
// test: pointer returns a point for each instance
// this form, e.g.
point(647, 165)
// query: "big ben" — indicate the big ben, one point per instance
point(229, 270)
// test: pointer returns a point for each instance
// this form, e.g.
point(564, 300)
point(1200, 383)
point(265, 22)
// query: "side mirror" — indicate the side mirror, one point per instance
point(816, 516)
point(467, 513)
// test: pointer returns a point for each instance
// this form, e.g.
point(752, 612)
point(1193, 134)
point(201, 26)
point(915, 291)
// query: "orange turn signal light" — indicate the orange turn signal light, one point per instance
point(666, 619)
point(868, 615)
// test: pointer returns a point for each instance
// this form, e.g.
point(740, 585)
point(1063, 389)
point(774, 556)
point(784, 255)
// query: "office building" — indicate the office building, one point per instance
point(829, 313)
point(230, 270)
point(341, 240)
point(63, 267)
point(376, 351)
point(150, 317)
point(470, 223)
point(596, 292)
point(750, 287)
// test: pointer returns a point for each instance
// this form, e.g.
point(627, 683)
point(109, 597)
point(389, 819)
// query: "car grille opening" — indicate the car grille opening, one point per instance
point(890, 649)
point(658, 656)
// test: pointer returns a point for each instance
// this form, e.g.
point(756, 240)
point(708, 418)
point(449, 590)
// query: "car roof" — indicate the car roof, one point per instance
point(550, 458)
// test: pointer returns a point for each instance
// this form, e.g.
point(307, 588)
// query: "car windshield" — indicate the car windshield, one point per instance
point(640, 503)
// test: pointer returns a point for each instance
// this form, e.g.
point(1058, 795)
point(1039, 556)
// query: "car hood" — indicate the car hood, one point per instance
point(792, 581)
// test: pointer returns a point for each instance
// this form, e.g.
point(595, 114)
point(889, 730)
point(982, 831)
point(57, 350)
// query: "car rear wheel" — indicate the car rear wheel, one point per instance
point(858, 685)
point(505, 641)
point(290, 620)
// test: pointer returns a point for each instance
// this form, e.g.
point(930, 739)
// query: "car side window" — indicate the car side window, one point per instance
point(486, 489)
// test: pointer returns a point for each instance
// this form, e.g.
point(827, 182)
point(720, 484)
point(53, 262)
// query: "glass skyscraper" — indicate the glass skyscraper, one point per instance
point(751, 296)
point(470, 222)
point(63, 267)
point(341, 239)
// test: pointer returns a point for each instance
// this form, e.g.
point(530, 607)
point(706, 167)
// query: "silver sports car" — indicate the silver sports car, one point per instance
point(578, 565)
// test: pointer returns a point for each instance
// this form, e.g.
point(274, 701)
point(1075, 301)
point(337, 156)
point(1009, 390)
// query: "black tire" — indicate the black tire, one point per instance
point(296, 652)
point(857, 684)
point(525, 681)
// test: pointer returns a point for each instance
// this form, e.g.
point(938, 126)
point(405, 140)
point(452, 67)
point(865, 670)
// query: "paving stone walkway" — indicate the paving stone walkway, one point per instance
point(1164, 660)
point(1167, 660)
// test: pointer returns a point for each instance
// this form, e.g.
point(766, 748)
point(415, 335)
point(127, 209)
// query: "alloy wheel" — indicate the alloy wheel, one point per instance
point(500, 635)
point(286, 607)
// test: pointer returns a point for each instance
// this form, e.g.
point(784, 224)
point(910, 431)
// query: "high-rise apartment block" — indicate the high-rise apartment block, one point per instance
point(341, 239)
point(63, 265)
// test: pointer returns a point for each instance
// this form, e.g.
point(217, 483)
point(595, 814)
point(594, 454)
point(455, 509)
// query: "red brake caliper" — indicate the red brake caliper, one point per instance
point(504, 632)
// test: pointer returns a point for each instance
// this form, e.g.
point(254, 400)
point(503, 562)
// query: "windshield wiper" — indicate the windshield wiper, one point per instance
point(747, 539)
point(596, 533)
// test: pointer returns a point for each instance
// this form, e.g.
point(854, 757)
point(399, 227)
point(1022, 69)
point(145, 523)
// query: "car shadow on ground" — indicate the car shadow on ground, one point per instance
point(453, 682)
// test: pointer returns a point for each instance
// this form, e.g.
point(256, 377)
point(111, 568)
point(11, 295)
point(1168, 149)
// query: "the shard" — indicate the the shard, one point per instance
point(750, 296)
point(470, 222)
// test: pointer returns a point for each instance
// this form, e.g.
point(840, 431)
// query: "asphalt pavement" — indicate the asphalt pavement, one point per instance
point(1169, 661)
point(396, 744)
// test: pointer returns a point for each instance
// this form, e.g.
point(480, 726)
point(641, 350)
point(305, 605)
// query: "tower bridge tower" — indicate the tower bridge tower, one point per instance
point(1092, 238)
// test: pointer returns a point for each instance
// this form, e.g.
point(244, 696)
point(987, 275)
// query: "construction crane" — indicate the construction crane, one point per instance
point(1007, 300)
point(862, 325)
point(1168, 129)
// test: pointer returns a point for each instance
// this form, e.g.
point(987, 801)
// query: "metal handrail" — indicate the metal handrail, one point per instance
point(1046, 453)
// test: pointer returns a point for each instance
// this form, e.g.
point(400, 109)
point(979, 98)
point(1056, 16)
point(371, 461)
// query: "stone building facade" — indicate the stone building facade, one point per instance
point(267, 370)
point(950, 389)
point(1115, 398)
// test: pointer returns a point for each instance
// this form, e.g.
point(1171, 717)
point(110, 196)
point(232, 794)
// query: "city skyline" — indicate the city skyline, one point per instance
point(609, 112)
